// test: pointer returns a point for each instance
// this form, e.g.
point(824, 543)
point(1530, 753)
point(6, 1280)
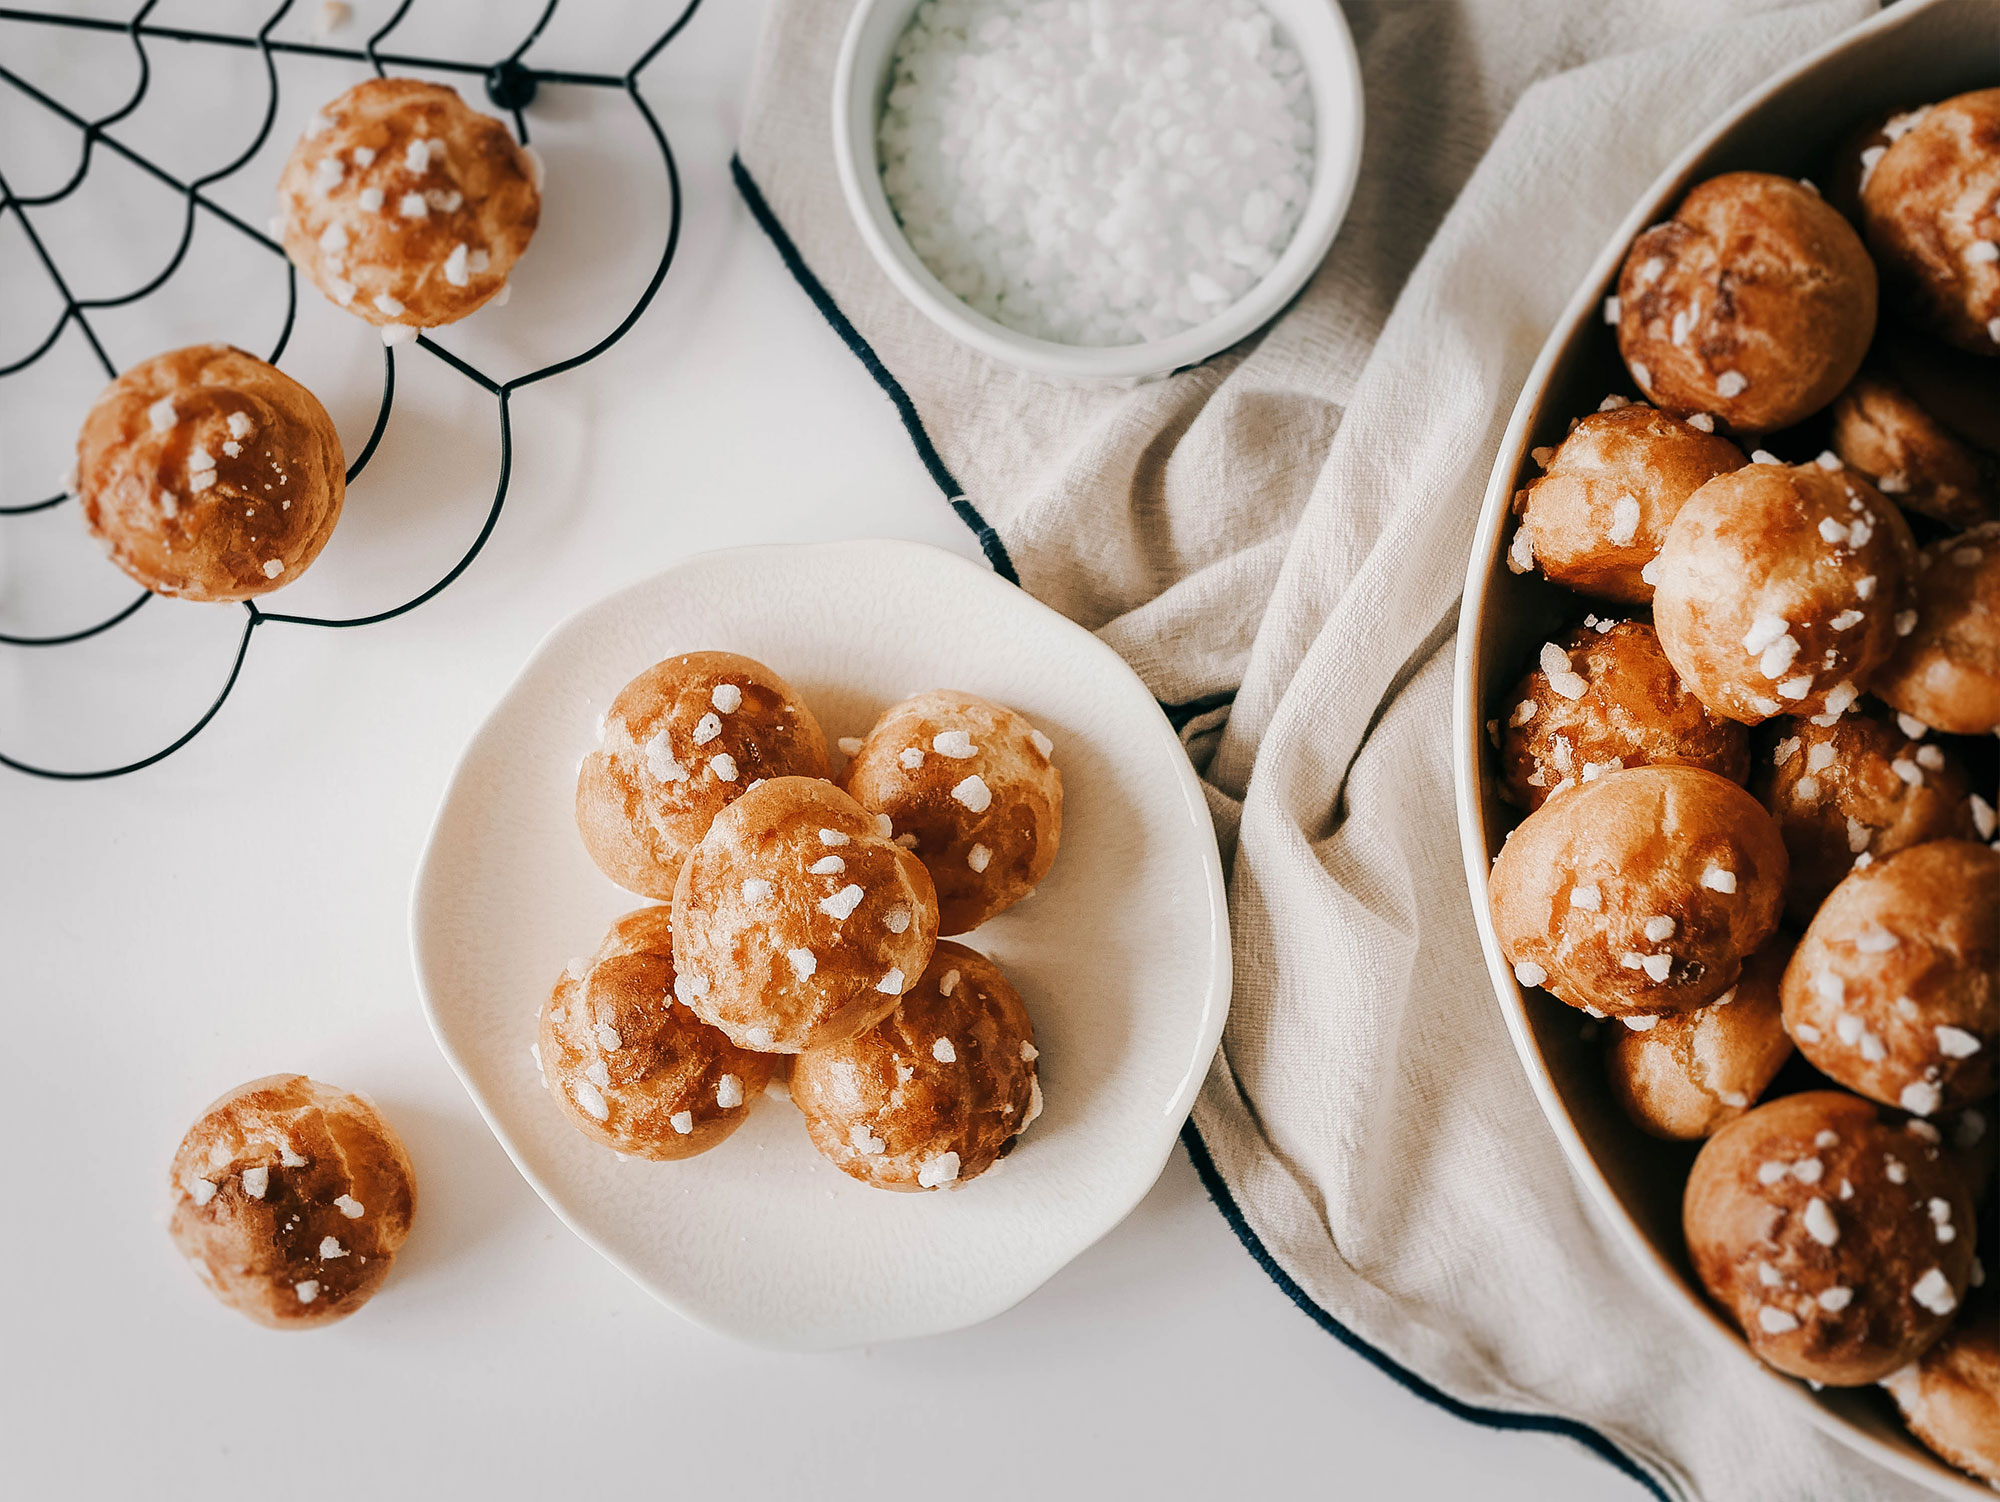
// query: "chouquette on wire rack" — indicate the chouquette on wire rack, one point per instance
point(408, 207)
point(209, 474)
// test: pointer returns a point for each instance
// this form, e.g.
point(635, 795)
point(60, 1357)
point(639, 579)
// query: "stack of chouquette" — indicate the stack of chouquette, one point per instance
point(1759, 777)
point(799, 925)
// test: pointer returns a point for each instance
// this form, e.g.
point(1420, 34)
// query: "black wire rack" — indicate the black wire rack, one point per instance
point(511, 83)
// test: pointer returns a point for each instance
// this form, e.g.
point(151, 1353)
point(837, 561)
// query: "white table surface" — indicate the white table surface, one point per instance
point(240, 909)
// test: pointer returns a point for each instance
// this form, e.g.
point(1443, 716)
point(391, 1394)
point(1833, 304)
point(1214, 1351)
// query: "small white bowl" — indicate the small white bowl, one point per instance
point(860, 80)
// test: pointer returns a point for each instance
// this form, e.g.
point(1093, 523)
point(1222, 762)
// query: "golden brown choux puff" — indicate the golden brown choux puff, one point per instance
point(1927, 204)
point(1641, 892)
point(1686, 1075)
point(1754, 304)
point(935, 1093)
point(1597, 515)
point(678, 743)
point(797, 922)
point(406, 206)
point(1603, 699)
point(1779, 590)
point(1839, 1244)
point(1895, 989)
point(290, 1199)
point(630, 1065)
point(1881, 434)
point(1950, 1395)
point(1946, 668)
point(1856, 791)
point(208, 474)
point(970, 786)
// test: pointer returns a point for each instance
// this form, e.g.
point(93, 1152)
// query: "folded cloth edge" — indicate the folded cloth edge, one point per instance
point(995, 550)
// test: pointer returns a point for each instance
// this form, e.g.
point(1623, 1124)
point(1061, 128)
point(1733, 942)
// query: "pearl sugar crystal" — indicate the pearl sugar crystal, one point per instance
point(1097, 172)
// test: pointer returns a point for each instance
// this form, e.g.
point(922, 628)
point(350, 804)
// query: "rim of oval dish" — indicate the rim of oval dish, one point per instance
point(1913, 1463)
point(1316, 28)
point(1215, 994)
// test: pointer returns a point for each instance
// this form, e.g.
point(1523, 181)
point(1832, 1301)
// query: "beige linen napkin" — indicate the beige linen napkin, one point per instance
point(1288, 526)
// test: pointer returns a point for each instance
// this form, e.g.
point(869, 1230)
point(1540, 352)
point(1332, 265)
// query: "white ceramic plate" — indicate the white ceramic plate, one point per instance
point(1122, 955)
point(1910, 54)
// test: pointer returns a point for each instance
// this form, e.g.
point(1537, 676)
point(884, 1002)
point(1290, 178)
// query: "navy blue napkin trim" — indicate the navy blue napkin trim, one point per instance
point(996, 554)
point(989, 540)
point(1491, 1418)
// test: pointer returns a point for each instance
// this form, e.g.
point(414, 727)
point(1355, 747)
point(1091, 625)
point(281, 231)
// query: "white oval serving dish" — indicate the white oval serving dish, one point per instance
point(1122, 955)
point(860, 79)
point(1909, 54)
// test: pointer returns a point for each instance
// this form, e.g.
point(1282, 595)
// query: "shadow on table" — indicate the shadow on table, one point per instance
point(467, 1190)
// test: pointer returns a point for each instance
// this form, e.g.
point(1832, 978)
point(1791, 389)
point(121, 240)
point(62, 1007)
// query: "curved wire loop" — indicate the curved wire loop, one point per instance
point(96, 133)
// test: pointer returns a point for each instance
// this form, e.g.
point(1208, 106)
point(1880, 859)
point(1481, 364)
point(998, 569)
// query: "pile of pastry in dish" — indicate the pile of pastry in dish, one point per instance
point(1759, 775)
point(209, 474)
point(798, 926)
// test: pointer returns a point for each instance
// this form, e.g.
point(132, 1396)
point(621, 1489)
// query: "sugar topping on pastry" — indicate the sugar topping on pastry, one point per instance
point(209, 474)
point(406, 206)
point(290, 1200)
point(970, 786)
point(830, 949)
point(671, 757)
point(934, 1094)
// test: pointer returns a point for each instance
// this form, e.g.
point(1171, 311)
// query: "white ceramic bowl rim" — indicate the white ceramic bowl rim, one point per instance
point(1320, 33)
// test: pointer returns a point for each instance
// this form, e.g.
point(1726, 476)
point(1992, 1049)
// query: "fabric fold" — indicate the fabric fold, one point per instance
point(1289, 525)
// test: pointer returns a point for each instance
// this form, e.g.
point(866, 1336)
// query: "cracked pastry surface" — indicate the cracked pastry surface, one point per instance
point(1837, 1239)
point(406, 206)
point(935, 1093)
point(209, 474)
point(797, 922)
point(290, 1200)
